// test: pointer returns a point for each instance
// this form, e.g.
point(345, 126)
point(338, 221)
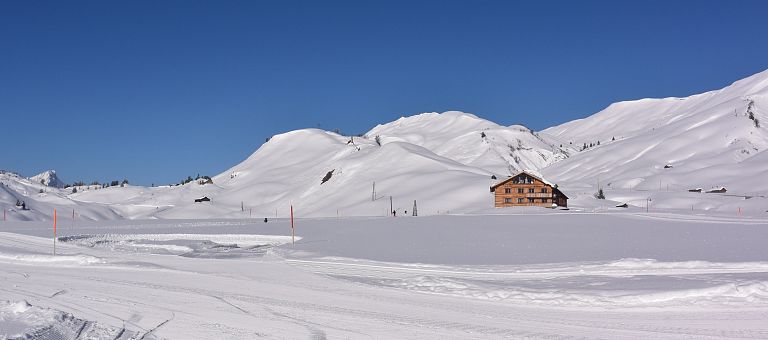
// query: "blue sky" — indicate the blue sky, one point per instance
point(154, 91)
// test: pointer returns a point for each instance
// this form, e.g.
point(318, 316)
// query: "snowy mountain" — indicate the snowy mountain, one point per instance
point(707, 140)
point(40, 200)
point(48, 178)
point(649, 150)
point(437, 160)
point(320, 173)
point(473, 141)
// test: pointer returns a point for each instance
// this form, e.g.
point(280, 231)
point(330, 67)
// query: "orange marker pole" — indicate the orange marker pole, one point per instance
point(293, 229)
point(54, 231)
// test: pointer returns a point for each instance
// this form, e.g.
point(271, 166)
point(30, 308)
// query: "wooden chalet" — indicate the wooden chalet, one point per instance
point(526, 189)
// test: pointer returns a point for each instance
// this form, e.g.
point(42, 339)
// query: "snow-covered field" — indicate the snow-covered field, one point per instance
point(534, 273)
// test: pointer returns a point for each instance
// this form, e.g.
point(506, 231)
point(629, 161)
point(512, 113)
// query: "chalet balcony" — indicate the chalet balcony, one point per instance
point(539, 195)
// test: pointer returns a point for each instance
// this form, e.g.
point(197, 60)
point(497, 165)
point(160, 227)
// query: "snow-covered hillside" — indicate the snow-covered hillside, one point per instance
point(290, 168)
point(444, 162)
point(710, 140)
point(649, 150)
point(23, 199)
point(473, 141)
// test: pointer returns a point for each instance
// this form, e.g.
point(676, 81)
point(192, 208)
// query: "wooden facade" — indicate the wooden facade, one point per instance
point(525, 189)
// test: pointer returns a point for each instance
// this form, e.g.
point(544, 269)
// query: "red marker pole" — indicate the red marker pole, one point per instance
point(293, 229)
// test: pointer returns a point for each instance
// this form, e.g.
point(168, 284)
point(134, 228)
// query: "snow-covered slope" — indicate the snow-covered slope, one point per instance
point(444, 162)
point(639, 151)
point(290, 168)
point(473, 141)
point(708, 140)
point(39, 201)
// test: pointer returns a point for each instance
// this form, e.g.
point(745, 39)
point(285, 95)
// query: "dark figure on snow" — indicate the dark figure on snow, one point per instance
point(394, 213)
point(23, 205)
point(265, 220)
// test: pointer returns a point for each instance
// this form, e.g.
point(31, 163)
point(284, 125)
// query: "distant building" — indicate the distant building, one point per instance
point(526, 189)
point(204, 199)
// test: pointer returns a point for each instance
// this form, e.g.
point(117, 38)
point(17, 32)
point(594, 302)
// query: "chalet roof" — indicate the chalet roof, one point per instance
point(527, 172)
point(557, 191)
point(533, 174)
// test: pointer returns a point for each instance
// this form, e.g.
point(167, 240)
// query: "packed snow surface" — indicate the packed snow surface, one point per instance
point(537, 273)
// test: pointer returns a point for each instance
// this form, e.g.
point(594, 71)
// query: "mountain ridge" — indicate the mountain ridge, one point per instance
point(445, 161)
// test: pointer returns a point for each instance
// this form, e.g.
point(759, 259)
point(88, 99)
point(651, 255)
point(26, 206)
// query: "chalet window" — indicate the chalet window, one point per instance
point(519, 190)
point(530, 200)
point(531, 190)
point(544, 200)
point(507, 200)
point(507, 190)
point(519, 200)
point(544, 190)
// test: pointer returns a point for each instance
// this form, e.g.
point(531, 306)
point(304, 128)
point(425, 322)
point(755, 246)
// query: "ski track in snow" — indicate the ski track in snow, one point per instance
point(471, 283)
